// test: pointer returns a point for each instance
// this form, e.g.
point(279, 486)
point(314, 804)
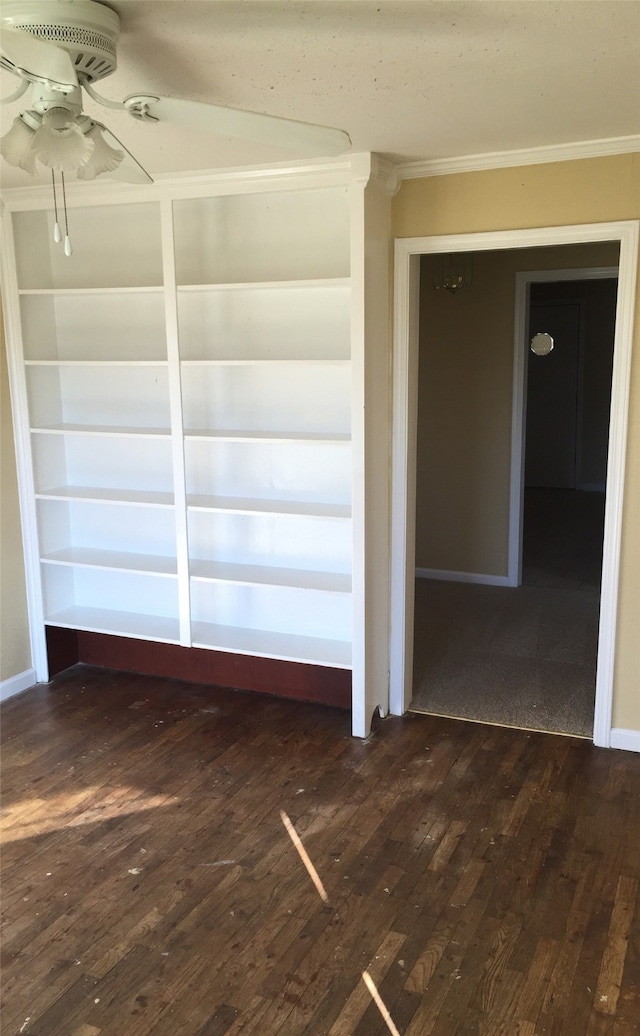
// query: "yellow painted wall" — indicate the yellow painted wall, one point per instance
point(556, 194)
point(15, 649)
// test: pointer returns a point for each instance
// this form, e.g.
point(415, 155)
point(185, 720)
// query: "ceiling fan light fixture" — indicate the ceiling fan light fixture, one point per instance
point(60, 144)
point(103, 159)
point(16, 146)
point(59, 120)
point(62, 47)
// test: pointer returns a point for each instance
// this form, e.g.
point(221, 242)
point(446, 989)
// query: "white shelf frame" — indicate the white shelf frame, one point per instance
point(370, 181)
point(177, 425)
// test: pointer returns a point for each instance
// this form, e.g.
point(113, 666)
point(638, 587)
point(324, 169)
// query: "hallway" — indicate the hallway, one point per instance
point(524, 656)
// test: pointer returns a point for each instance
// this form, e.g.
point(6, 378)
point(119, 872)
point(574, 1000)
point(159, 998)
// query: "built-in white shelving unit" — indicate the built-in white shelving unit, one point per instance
point(189, 391)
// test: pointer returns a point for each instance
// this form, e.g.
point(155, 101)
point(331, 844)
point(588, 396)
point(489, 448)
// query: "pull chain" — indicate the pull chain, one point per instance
point(57, 234)
point(68, 250)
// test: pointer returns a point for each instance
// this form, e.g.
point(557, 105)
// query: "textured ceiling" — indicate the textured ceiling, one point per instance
point(419, 80)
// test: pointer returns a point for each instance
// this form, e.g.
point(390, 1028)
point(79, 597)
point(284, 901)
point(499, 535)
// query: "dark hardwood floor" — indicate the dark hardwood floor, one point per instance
point(485, 878)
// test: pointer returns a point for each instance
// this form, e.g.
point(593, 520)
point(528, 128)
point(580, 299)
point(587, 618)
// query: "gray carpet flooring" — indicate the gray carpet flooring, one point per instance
point(523, 657)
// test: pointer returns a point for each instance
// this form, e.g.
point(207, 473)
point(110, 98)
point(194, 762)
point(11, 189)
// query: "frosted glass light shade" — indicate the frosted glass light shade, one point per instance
point(60, 144)
point(104, 158)
point(16, 146)
point(59, 119)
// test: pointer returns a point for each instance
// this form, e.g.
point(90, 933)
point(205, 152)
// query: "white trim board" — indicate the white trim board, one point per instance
point(17, 684)
point(453, 576)
point(522, 156)
point(404, 434)
point(342, 171)
point(627, 740)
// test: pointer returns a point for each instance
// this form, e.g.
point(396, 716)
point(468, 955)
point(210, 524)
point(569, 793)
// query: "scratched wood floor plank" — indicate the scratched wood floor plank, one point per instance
point(486, 878)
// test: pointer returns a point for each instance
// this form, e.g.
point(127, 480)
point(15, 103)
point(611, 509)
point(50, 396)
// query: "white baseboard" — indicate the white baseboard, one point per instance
point(462, 577)
point(16, 684)
point(629, 740)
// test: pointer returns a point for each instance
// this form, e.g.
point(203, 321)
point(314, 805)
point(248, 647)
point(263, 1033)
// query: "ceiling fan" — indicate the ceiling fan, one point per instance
point(60, 48)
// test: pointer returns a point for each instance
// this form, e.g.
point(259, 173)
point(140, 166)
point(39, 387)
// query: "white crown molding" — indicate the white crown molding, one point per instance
point(313, 172)
point(387, 172)
point(524, 156)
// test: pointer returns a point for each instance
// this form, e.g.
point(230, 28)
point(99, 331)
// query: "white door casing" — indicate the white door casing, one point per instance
point(404, 435)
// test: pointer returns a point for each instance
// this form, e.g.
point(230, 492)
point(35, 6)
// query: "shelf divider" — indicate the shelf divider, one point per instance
point(177, 420)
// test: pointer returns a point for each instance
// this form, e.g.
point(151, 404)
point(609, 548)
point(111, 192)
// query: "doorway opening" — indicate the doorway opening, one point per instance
point(525, 657)
point(472, 539)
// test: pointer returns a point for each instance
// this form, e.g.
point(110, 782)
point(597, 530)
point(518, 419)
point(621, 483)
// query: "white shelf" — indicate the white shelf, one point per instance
point(276, 362)
point(89, 327)
point(301, 321)
point(95, 495)
point(244, 505)
point(89, 429)
point(95, 363)
point(307, 543)
point(295, 475)
point(96, 396)
point(89, 557)
point(335, 654)
point(114, 246)
point(250, 575)
point(292, 399)
point(252, 436)
point(107, 469)
point(70, 292)
point(263, 236)
point(283, 285)
point(124, 624)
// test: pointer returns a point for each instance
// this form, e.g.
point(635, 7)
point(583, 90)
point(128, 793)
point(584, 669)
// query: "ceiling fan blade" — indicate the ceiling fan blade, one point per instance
point(37, 60)
point(318, 141)
point(129, 170)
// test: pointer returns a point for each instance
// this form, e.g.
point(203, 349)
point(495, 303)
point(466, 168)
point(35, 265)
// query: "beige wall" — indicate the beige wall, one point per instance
point(557, 194)
point(15, 649)
point(464, 409)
